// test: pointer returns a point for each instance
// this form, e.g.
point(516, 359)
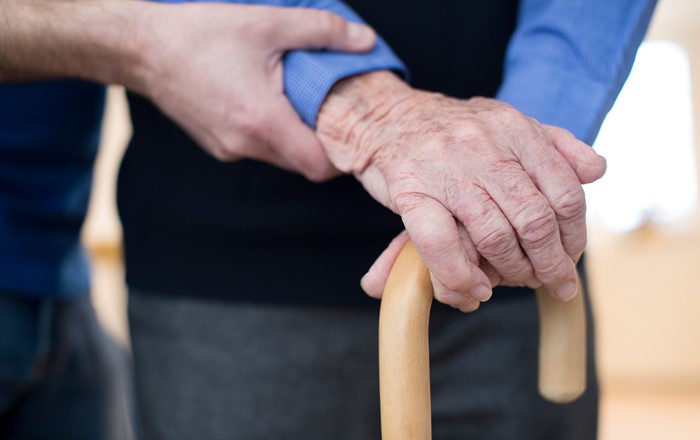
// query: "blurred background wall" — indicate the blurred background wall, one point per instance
point(645, 279)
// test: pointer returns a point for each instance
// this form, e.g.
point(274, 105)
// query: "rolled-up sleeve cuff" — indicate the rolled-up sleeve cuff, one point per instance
point(309, 75)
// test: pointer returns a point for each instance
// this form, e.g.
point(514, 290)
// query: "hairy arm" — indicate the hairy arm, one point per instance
point(91, 40)
point(216, 69)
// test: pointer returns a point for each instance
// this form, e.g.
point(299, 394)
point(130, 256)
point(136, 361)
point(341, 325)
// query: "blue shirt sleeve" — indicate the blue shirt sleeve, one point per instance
point(568, 60)
point(310, 74)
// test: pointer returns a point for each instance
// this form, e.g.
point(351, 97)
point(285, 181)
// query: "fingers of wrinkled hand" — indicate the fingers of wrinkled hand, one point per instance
point(301, 28)
point(451, 298)
point(492, 235)
point(468, 244)
point(536, 226)
point(434, 232)
point(588, 165)
point(497, 280)
point(374, 280)
point(558, 182)
point(492, 274)
point(487, 268)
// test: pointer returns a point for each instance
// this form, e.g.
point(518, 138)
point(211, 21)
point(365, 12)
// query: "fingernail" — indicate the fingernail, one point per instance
point(360, 34)
point(566, 291)
point(481, 293)
point(469, 308)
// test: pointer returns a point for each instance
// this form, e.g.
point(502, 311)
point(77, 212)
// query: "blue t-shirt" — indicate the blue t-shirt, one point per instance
point(49, 134)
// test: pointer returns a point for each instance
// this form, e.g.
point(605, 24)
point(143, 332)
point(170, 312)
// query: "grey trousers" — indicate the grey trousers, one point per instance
point(216, 370)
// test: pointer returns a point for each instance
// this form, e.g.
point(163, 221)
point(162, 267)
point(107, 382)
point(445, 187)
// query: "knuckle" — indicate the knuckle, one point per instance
point(509, 113)
point(516, 269)
point(497, 242)
point(554, 132)
point(527, 129)
point(539, 225)
point(472, 133)
point(500, 248)
point(571, 202)
point(519, 117)
point(473, 206)
point(445, 259)
point(329, 23)
point(557, 269)
point(432, 248)
point(520, 275)
point(406, 202)
point(435, 242)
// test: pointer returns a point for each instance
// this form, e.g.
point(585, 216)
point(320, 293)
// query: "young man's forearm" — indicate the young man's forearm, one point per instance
point(216, 69)
point(93, 40)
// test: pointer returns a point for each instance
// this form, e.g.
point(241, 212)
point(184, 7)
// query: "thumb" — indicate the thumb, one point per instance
point(375, 279)
point(302, 28)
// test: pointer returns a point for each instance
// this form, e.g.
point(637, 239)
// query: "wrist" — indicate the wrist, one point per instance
point(353, 109)
point(121, 48)
point(133, 61)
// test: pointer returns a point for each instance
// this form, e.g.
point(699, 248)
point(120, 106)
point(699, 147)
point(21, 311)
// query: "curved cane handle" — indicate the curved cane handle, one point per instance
point(404, 371)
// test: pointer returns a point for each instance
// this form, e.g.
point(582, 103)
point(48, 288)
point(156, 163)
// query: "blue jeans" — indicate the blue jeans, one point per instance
point(61, 376)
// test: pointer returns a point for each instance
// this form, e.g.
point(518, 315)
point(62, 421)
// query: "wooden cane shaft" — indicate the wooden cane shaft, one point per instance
point(562, 369)
point(404, 370)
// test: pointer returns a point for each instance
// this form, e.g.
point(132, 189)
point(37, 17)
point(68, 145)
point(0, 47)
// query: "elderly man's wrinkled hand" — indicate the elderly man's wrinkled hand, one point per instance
point(472, 180)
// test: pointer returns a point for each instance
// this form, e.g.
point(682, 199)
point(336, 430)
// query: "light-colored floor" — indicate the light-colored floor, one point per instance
point(628, 414)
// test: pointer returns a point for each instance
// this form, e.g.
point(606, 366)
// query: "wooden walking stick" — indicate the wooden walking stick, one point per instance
point(404, 371)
